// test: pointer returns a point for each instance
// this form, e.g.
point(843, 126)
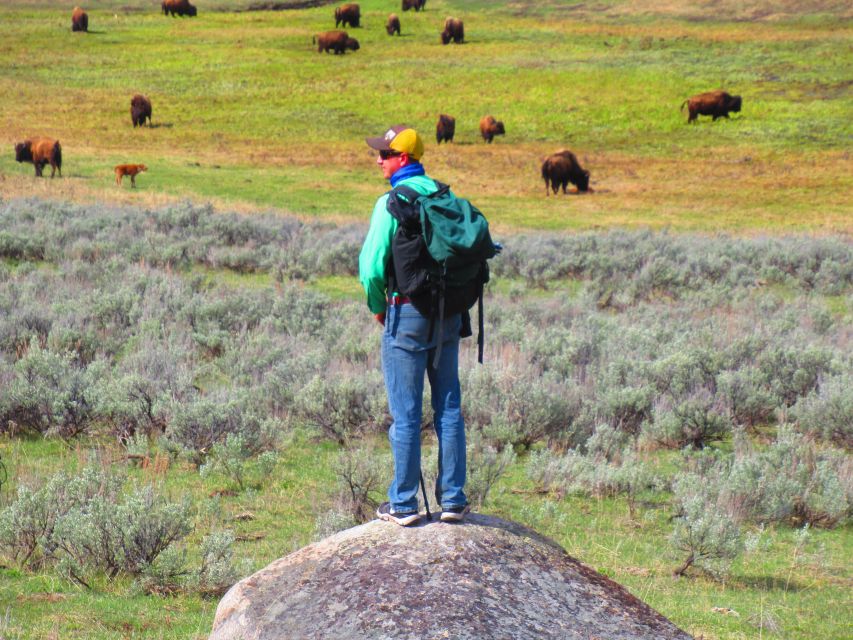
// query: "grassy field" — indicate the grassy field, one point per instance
point(801, 587)
point(247, 114)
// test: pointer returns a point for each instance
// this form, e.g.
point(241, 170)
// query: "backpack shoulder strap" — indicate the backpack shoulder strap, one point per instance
point(401, 204)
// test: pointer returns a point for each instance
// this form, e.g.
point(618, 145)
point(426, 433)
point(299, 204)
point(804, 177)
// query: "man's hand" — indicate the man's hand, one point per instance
point(380, 318)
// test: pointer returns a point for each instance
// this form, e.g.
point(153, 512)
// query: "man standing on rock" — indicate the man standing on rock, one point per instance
point(410, 343)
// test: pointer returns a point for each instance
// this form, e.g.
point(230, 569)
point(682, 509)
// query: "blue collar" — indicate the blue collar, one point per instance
point(410, 170)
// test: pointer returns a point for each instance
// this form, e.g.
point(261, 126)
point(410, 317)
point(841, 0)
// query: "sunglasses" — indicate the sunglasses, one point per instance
point(388, 154)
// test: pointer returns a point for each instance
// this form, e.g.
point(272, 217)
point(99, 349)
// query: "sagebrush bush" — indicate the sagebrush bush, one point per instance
point(234, 459)
point(362, 473)
point(792, 480)
point(198, 424)
point(85, 524)
point(704, 534)
point(697, 420)
point(827, 412)
point(486, 465)
point(343, 404)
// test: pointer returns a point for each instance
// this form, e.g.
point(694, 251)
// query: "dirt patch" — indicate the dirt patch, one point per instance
point(287, 6)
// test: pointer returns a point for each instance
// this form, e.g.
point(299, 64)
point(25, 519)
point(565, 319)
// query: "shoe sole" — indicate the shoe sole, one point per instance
point(450, 516)
point(403, 521)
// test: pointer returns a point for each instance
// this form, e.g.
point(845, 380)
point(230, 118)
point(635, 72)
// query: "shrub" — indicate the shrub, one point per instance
point(233, 459)
point(197, 425)
point(512, 403)
point(704, 534)
point(827, 412)
point(361, 472)
point(486, 465)
point(341, 404)
point(792, 481)
point(49, 394)
point(747, 396)
point(696, 421)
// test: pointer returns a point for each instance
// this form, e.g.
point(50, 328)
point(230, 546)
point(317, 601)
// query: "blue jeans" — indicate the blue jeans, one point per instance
point(406, 356)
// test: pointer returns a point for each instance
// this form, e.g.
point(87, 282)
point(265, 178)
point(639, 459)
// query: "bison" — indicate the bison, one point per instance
point(717, 104)
point(489, 128)
point(40, 151)
point(79, 20)
point(179, 7)
point(445, 128)
point(140, 110)
point(453, 30)
point(561, 168)
point(417, 5)
point(131, 170)
point(337, 41)
point(393, 25)
point(348, 14)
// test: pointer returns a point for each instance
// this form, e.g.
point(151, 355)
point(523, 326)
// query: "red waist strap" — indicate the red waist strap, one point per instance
point(397, 300)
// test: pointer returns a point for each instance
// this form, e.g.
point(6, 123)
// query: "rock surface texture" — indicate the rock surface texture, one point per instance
point(486, 579)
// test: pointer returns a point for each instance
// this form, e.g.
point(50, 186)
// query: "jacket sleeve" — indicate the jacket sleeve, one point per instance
point(376, 255)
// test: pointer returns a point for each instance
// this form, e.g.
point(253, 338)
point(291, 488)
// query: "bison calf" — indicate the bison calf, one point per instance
point(337, 41)
point(561, 168)
point(131, 170)
point(79, 20)
point(453, 30)
point(40, 151)
point(348, 14)
point(179, 8)
point(489, 128)
point(716, 104)
point(417, 5)
point(140, 110)
point(445, 129)
point(393, 25)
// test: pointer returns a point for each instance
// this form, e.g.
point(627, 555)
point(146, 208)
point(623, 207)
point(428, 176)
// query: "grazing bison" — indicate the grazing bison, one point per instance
point(717, 104)
point(79, 20)
point(417, 5)
point(140, 110)
point(445, 128)
point(40, 151)
point(489, 128)
point(178, 7)
point(337, 41)
point(561, 168)
point(453, 30)
point(393, 25)
point(348, 14)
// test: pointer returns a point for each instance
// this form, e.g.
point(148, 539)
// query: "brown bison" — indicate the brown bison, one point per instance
point(337, 41)
point(393, 25)
point(348, 14)
point(489, 128)
point(79, 20)
point(140, 110)
point(453, 30)
point(179, 7)
point(561, 168)
point(40, 151)
point(717, 104)
point(131, 170)
point(445, 128)
point(417, 5)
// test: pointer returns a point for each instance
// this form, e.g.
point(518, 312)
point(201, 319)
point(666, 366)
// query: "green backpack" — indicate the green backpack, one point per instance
point(439, 255)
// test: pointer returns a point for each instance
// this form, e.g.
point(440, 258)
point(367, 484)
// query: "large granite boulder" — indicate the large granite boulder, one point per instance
point(484, 579)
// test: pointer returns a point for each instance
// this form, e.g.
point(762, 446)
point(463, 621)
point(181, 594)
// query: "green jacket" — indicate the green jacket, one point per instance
point(376, 253)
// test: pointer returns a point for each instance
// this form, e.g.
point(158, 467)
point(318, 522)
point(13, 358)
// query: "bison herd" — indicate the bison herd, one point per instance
point(558, 169)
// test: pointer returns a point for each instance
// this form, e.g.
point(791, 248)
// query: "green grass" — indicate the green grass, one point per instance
point(247, 113)
point(806, 590)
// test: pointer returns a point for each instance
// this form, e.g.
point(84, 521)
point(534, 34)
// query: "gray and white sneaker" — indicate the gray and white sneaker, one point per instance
point(454, 514)
point(386, 512)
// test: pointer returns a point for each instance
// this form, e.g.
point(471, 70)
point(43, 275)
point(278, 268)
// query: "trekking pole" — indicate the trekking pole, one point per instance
point(426, 502)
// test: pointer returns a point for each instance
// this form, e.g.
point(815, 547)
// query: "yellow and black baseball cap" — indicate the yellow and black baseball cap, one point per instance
point(400, 138)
